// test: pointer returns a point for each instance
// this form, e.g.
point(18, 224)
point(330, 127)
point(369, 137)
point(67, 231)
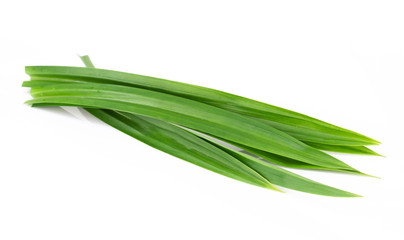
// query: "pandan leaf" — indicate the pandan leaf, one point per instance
point(284, 178)
point(184, 112)
point(298, 125)
point(182, 144)
point(147, 111)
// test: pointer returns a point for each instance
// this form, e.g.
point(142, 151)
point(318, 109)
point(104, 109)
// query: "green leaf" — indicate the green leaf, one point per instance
point(178, 142)
point(185, 112)
point(182, 144)
point(284, 178)
point(172, 139)
point(284, 161)
point(327, 147)
point(344, 149)
point(291, 163)
point(298, 125)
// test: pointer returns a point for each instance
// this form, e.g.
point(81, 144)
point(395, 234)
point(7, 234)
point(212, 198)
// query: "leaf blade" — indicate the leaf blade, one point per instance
point(181, 144)
point(299, 125)
point(226, 123)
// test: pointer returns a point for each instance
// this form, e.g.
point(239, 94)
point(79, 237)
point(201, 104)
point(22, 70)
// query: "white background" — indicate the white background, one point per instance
point(66, 177)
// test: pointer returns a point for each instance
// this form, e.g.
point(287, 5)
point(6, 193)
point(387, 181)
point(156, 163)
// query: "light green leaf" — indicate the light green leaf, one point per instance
point(185, 112)
point(298, 125)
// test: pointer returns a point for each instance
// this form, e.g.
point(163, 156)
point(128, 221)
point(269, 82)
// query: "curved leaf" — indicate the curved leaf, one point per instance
point(301, 126)
point(185, 112)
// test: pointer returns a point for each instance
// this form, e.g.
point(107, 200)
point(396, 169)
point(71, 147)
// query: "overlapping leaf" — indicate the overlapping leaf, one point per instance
point(182, 144)
point(302, 127)
point(184, 112)
point(206, 153)
point(145, 108)
point(328, 147)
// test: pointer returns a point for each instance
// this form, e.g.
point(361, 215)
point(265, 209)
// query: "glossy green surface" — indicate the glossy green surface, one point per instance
point(182, 144)
point(285, 161)
point(208, 154)
point(302, 127)
point(147, 111)
point(284, 178)
point(328, 147)
point(178, 142)
point(344, 149)
point(184, 112)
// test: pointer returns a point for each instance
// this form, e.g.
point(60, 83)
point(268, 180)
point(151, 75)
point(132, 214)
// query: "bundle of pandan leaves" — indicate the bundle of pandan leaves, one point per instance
point(192, 122)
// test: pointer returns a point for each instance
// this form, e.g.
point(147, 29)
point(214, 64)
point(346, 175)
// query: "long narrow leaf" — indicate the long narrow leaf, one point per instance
point(179, 142)
point(283, 177)
point(185, 112)
point(284, 161)
point(327, 147)
point(301, 126)
point(344, 149)
point(182, 144)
